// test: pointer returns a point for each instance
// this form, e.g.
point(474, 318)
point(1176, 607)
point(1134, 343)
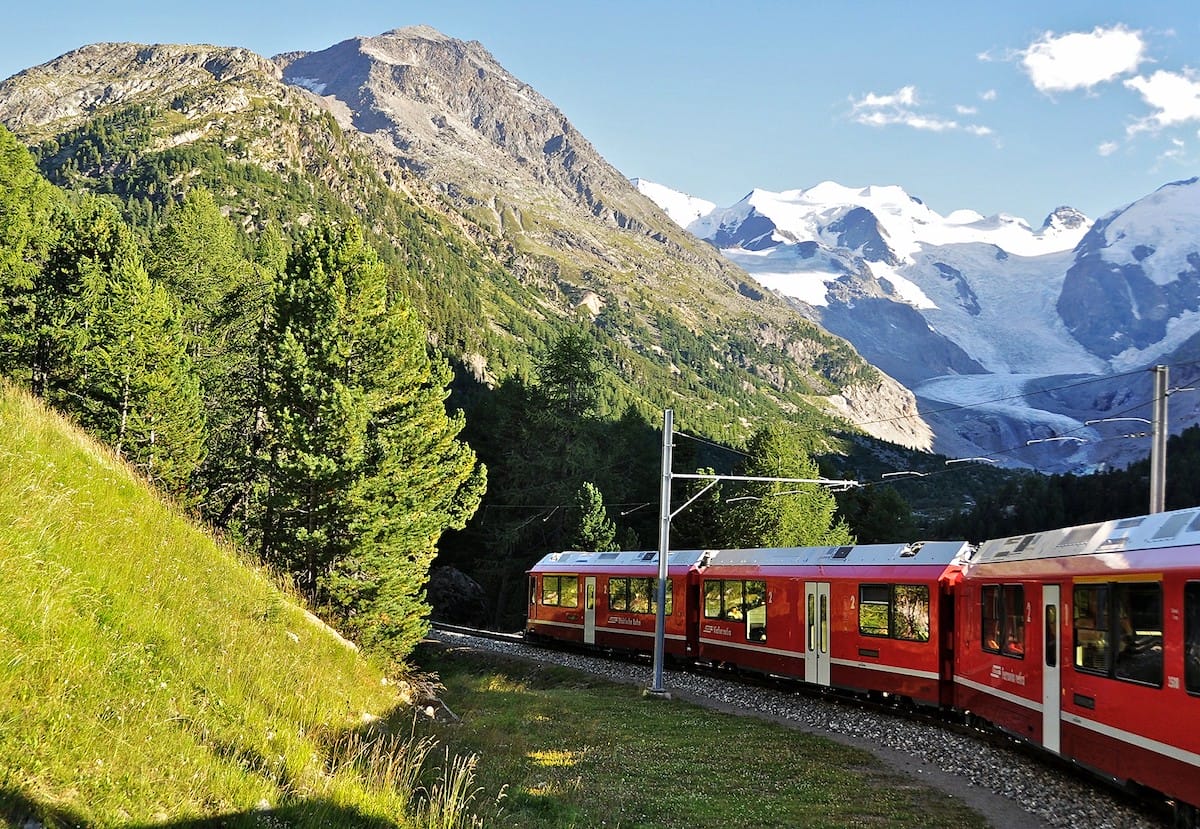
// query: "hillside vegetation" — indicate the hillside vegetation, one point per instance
point(150, 676)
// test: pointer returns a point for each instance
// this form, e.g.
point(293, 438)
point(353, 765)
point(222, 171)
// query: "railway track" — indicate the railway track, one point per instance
point(921, 741)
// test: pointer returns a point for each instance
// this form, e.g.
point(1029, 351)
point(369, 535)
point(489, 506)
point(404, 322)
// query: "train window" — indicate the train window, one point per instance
point(738, 601)
point(812, 621)
point(618, 594)
point(636, 595)
point(755, 593)
point(639, 595)
point(560, 591)
point(900, 611)
point(990, 615)
point(1191, 637)
point(712, 600)
point(732, 606)
point(1138, 637)
point(532, 589)
point(1002, 617)
point(824, 623)
point(910, 612)
point(1051, 636)
point(1014, 620)
point(874, 609)
point(1118, 630)
point(1091, 628)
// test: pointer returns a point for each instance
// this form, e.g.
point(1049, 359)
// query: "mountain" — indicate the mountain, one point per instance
point(506, 223)
point(682, 209)
point(988, 313)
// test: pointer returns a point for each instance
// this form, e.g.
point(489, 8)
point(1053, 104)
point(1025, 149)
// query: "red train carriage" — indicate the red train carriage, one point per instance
point(1086, 640)
point(610, 600)
point(868, 617)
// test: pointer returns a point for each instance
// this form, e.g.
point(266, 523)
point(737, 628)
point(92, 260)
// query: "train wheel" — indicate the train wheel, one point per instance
point(1186, 816)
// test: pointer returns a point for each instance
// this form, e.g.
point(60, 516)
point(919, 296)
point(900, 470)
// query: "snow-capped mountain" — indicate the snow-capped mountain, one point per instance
point(682, 209)
point(1133, 291)
point(965, 308)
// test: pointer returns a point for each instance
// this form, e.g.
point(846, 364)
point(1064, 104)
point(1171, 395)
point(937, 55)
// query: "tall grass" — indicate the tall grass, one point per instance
point(149, 675)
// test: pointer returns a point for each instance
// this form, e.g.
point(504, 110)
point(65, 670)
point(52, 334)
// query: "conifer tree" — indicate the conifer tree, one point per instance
point(30, 209)
point(363, 466)
point(113, 350)
point(593, 530)
point(197, 254)
point(567, 376)
point(782, 514)
point(138, 390)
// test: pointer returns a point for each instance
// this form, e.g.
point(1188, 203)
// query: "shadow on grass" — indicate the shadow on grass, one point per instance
point(17, 809)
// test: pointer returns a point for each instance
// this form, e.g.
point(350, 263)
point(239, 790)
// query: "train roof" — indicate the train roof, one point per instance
point(922, 553)
point(1159, 531)
point(582, 560)
point(943, 553)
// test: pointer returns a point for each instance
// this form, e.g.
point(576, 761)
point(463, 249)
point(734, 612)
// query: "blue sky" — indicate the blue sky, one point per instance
point(997, 107)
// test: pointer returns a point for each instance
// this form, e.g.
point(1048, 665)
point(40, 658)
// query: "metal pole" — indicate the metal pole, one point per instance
point(1158, 442)
point(664, 546)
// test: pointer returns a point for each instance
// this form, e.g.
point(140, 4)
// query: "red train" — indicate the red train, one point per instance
point(1084, 641)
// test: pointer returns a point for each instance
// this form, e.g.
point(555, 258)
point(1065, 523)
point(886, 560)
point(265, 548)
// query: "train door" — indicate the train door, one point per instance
point(1051, 669)
point(816, 632)
point(589, 610)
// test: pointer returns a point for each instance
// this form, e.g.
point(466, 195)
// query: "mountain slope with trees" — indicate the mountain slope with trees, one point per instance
point(218, 170)
point(298, 367)
point(153, 677)
point(679, 326)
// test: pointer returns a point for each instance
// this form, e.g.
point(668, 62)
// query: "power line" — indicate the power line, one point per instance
point(711, 443)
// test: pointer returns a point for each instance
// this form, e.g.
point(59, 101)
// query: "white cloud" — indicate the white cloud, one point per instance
point(989, 95)
point(1175, 97)
point(1107, 148)
point(903, 108)
point(905, 96)
point(962, 109)
point(1080, 60)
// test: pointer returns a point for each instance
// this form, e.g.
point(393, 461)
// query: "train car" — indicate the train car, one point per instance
point(1086, 641)
point(610, 600)
point(865, 618)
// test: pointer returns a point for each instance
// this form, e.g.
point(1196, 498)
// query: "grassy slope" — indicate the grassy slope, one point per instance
point(575, 751)
point(146, 673)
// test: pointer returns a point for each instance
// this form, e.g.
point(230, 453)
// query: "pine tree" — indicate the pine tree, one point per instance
point(363, 466)
point(568, 376)
point(30, 210)
point(138, 390)
point(782, 514)
point(197, 254)
point(114, 352)
point(593, 530)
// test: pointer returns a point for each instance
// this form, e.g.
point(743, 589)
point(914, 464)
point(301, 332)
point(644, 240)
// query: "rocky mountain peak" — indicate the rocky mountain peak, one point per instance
point(1065, 218)
point(91, 78)
point(444, 107)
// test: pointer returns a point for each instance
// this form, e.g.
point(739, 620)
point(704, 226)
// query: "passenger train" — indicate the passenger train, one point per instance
point(1084, 641)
